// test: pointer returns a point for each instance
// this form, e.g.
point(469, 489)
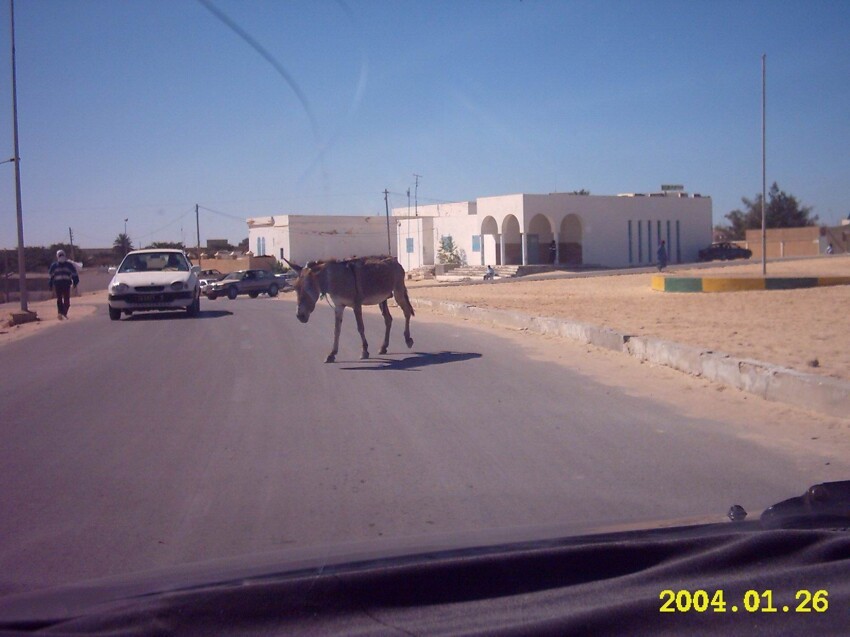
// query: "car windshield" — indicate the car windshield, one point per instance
point(526, 287)
point(154, 262)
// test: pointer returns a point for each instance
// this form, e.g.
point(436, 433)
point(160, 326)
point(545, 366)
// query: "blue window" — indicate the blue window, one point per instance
point(476, 243)
point(409, 242)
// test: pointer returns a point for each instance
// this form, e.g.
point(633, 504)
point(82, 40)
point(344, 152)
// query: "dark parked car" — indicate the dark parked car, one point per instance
point(250, 282)
point(724, 251)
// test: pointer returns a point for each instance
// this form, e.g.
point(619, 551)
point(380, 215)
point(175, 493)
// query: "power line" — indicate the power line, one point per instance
point(227, 215)
point(167, 225)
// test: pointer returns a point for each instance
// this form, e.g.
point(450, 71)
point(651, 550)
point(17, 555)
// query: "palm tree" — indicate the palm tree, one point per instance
point(122, 245)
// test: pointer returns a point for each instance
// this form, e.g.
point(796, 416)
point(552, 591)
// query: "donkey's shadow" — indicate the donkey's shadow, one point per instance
point(412, 362)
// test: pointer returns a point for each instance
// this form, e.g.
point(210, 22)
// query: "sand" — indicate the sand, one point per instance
point(804, 329)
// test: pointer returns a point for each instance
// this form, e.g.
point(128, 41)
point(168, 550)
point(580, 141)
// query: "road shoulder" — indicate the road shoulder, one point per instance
point(82, 307)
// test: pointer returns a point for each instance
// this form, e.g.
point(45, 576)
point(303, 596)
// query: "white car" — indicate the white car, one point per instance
point(154, 280)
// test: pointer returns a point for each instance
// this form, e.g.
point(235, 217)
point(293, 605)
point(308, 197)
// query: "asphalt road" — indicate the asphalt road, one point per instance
point(161, 440)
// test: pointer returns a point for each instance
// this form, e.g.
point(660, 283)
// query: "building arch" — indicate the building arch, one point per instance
point(538, 240)
point(511, 252)
point(570, 240)
point(490, 253)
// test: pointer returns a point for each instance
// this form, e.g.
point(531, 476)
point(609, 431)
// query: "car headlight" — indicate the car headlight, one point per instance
point(119, 288)
point(179, 285)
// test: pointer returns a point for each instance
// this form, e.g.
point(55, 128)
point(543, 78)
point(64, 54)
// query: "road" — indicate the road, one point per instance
point(162, 440)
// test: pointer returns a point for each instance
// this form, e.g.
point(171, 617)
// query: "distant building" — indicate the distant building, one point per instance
point(609, 231)
point(807, 241)
point(302, 238)
point(216, 245)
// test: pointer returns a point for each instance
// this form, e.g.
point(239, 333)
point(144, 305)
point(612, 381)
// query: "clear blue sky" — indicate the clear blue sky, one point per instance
point(140, 109)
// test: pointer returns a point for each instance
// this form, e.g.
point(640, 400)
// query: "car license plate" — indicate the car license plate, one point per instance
point(149, 298)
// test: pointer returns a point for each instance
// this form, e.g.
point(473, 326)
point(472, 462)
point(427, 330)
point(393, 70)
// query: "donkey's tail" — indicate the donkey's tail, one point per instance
point(407, 298)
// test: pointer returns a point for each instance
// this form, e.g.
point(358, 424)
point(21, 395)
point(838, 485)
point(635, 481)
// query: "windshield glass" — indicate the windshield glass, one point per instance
point(530, 295)
point(154, 262)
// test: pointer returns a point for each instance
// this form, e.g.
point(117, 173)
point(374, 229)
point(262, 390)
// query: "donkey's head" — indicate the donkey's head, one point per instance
point(307, 288)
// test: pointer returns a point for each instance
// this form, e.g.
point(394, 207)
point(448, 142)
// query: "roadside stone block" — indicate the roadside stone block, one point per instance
point(19, 318)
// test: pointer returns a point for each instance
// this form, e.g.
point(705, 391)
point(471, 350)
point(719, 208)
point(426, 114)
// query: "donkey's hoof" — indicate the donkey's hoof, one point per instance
point(330, 359)
point(409, 342)
point(364, 356)
point(383, 350)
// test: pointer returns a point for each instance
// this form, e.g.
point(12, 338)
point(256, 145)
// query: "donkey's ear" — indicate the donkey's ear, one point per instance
point(295, 267)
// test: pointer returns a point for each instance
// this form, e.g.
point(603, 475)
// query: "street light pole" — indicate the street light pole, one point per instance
point(22, 262)
point(387, 206)
point(198, 230)
point(763, 165)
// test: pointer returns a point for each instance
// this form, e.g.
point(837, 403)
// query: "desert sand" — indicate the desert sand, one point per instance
point(804, 329)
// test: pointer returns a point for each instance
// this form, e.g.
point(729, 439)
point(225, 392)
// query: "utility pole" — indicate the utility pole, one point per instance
point(198, 228)
point(407, 238)
point(22, 262)
point(763, 166)
point(387, 206)
point(416, 194)
point(71, 239)
point(5, 275)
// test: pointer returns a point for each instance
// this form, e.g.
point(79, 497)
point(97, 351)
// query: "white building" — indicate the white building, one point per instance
point(302, 238)
point(609, 231)
point(612, 231)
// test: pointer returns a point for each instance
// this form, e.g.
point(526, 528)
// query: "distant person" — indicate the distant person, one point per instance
point(662, 256)
point(830, 249)
point(553, 252)
point(489, 273)
point(63, 274)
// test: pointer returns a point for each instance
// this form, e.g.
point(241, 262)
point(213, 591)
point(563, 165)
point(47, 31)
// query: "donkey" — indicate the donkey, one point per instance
point(353, 282)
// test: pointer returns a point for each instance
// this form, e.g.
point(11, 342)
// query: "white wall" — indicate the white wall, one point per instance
point(314, 237)
point(264, 228)
point(604, 221)
point(421, 231)
point(605, 233)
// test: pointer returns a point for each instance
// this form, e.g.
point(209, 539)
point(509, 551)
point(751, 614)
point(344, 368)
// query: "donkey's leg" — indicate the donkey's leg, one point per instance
point(337, 325)
point(358, 314)
point(400, 294)
point(388, 322)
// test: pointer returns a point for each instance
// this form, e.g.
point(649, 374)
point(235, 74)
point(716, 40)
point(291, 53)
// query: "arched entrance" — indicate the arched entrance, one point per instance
point(490, 253)
point(570, 250)
point(511, 241)
point(539, 240)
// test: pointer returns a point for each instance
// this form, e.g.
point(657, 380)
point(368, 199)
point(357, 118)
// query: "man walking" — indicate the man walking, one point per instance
point(63, 274)
point(662, 256)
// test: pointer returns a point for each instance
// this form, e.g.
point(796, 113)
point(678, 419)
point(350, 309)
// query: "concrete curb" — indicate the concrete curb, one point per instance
point(818, 393)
